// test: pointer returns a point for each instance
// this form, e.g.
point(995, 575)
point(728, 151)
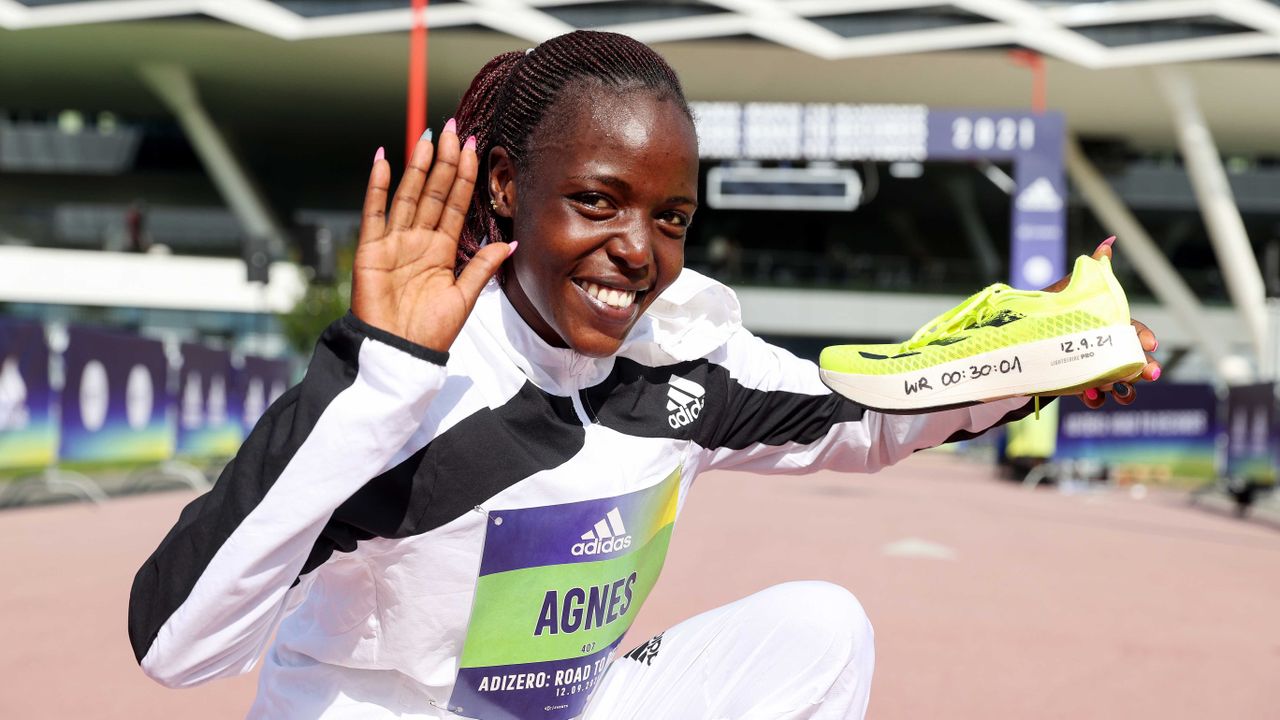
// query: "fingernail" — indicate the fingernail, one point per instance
point(1106, 243)
point(1155, 345)
point(426, 135)
point(380, 155)
point(471, 143)
point(1122, 389)
point(1155, 374)
point(1091, 394)
point(451, 126)
point(511, 249)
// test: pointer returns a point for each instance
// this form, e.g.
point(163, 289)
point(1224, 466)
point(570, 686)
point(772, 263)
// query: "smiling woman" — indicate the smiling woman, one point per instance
point(609, 232)
point(462, 507)
point(594, 161)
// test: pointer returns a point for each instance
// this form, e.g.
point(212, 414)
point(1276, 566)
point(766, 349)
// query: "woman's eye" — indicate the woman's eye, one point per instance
point(675, 218)
point(594, 201)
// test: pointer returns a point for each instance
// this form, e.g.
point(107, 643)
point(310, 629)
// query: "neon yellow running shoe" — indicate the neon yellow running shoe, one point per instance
point(999, 343)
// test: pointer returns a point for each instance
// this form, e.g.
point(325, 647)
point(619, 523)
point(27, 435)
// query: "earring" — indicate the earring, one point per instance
point(493, 204)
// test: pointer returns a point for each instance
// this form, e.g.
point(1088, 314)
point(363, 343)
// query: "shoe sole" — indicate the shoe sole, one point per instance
point(1064, 365)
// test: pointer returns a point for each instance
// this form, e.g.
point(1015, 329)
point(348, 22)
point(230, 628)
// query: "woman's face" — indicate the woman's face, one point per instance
point(600, 213)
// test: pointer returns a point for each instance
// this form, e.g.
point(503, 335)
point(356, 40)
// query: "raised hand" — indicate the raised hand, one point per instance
point(404, 279)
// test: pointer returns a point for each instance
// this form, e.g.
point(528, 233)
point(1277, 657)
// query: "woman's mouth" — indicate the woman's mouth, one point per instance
point(613, 297)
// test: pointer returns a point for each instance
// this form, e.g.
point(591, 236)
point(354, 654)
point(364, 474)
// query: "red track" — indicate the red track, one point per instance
point(1052, 607)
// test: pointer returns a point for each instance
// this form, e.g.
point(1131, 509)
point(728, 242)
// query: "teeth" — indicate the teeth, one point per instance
point(610, 296)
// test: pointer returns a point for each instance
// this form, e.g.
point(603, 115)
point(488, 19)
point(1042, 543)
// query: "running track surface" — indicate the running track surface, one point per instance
point(1050, 605)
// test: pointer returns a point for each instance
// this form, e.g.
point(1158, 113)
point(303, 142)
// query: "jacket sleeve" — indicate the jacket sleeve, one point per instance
point(206, 602)
point(778, 417)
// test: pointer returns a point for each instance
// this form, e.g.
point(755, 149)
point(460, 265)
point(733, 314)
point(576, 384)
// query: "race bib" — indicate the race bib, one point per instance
point(558, 587)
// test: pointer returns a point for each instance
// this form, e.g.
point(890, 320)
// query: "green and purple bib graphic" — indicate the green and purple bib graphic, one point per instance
point(28, 433)
point(558, 587)
point(114, 400)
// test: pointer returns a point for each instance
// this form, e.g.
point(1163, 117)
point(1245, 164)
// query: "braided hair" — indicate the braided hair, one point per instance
point(511, 94)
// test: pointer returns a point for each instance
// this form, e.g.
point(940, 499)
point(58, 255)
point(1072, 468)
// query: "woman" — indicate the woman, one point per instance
point(461, 508)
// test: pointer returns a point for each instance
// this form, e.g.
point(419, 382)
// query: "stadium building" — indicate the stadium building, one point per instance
point(155, 156)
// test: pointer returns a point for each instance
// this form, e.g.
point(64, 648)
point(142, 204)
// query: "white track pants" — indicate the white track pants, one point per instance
point(792, 651)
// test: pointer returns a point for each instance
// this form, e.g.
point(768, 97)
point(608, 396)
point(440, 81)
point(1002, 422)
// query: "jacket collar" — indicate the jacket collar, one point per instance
point(688, 321)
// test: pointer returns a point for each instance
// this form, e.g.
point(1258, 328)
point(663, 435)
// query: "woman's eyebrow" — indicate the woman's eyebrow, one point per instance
point(623, 186)
point(612, 181)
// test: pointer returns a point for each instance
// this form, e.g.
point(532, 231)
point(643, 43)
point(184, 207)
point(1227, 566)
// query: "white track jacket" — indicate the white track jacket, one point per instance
point(471, 534)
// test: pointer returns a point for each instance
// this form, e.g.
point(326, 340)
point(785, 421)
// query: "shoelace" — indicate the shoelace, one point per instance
point(977, 309)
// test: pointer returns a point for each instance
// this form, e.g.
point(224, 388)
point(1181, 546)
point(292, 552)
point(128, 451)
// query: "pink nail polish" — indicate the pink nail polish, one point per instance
point(1155, 345)
point(380, 155)
point(451, 126)
point(1155, 374)
point(471, 143)
point(1091, 394)
point(1106, 243)
point(511, 249)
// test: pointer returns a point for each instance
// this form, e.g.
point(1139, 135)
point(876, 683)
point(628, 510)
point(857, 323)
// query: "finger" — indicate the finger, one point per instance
point(405, 203)
point(459, 200)
point(429, 206)
point(373, 218)
point(481, 267)
point(1093, 398)
point(1152, 371)
point(1145, 337)
point(1124, 393)
point(1060, 285)
point(1104, 249)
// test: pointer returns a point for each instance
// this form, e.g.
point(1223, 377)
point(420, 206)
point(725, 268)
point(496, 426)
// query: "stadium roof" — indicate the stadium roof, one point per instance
point(1087, 33)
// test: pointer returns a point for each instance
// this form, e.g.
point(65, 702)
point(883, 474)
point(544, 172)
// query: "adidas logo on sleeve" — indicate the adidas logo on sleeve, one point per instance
point(608, 535)
point(685, 400)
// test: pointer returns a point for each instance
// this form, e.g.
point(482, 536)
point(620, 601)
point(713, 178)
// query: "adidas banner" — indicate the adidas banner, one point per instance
point(114, 400)
point(28, 434)
point(1253, 444)
point(1170, 432)
point(1034, 144)
point(209, 423)
point(261, 383)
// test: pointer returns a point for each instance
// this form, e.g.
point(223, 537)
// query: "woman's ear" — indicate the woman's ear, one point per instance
point(502, 182)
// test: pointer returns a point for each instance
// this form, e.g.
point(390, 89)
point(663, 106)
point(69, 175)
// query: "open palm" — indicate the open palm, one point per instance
point(404, 279)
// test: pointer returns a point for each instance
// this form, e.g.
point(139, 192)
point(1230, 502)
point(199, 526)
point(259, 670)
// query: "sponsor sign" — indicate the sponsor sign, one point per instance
point(1034, 144)
point(114, 400)
point(1253, 448)
point(1171, 430)
point(28, 433)
point(209, 421)
point(262, 382)
point(558, 587)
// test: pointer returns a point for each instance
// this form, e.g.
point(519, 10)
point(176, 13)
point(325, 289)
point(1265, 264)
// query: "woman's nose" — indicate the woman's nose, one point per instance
point(633, 248)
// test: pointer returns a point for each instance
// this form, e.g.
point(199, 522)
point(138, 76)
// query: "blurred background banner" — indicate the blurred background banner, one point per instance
point(28, 435)
point(1171, 432)
point(115, 399)
point(1253, 448)
point(1033, 141)
point(209, 409)
point(264, 381)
